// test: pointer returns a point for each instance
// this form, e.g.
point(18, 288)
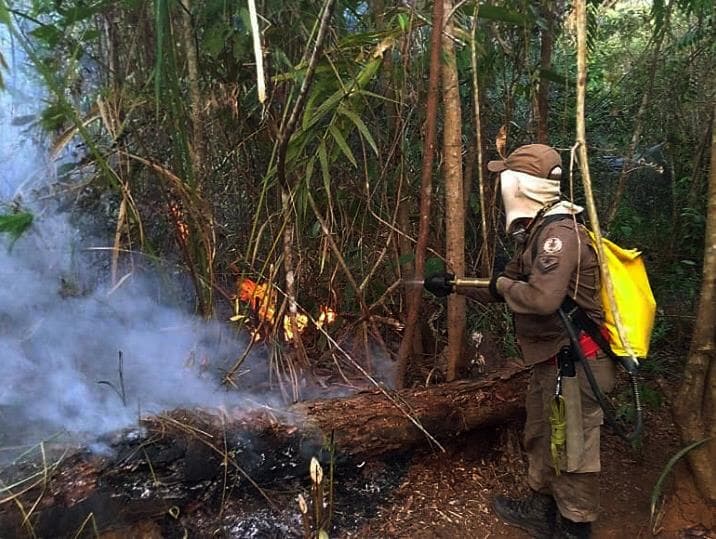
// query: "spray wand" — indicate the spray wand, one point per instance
point(443, 284)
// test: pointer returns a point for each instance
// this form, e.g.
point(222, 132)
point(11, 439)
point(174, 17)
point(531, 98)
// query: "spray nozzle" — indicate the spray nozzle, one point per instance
point(444, 284)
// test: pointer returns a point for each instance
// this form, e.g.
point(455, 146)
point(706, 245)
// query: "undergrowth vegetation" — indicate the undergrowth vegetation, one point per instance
point(178, 136)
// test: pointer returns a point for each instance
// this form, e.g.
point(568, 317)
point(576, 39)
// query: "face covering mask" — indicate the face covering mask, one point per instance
point(524, 195)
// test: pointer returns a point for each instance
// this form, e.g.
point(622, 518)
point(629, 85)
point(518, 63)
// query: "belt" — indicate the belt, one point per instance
point(589, 346)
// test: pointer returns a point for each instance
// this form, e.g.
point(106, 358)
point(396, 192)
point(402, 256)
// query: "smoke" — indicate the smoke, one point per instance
point(62, 331)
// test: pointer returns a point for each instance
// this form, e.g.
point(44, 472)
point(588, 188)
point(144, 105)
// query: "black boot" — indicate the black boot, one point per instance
point(566, 529)
point(534, 514)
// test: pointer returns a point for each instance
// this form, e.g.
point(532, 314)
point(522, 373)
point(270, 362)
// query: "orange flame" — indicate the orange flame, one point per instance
point(177, 214)
point(259, 298)
point(327, 316)
point(262, 300)
point(301, 323)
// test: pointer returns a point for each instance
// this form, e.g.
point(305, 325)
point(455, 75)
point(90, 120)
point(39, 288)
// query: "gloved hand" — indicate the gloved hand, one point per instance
point(500, 263)
point(493, 286)
point(440, 284)
point(498, 268)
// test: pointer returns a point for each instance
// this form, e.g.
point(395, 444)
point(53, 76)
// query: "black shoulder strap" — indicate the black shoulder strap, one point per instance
point(582, 321)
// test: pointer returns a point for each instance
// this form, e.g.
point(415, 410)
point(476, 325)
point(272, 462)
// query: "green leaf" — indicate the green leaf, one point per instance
point(433, 265)
point(501, 14)
point(50, 35)
point(15, 225)
point(360, 124)
point(4, 14)
point(241, 47)
point(323, 160)
point(403, 21)
point(78, 13)
point(56, 116)
point(65, 169)
point(308, 110)
point(309, 170)
point(214, 39)
point(245, 20)
point(342, 144)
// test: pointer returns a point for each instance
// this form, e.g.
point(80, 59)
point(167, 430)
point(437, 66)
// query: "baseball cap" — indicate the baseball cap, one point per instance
point(534, 159)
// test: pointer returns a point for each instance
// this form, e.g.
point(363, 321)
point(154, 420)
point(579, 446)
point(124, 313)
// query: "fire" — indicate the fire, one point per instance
point(301, 323)
point(259, 298)
point(177, 215)
point(262, 300)
point(327, 316)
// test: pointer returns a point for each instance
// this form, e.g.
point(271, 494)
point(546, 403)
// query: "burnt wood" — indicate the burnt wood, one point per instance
point(172, 462)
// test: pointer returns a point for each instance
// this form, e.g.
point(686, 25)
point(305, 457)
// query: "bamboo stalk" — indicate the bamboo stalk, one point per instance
point(258, 52)
point(581, 13)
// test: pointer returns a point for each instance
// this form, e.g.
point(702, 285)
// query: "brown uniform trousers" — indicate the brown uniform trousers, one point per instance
point(557, 259)
point(576, 488)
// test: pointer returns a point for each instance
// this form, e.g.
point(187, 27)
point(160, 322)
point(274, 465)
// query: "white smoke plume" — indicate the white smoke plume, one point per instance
point(59, 336)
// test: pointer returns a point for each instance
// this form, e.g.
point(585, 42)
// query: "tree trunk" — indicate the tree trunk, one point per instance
point(547, 41)
point(695, 407)
point(485, 229)
point(192, 69)
point(414, 295)
point(454, 198)
point(174, 460)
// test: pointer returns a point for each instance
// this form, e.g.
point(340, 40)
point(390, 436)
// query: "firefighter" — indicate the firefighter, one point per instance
point(554, 258)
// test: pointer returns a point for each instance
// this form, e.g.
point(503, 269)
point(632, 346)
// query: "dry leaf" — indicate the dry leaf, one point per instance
point(302, 506)
point(316, 471)
point(501, 141)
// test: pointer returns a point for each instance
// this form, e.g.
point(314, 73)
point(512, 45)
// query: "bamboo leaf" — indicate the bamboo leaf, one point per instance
point(342, 144)
point(501, 14)
point(360, 124)
point(309, 170)
point(323, 160)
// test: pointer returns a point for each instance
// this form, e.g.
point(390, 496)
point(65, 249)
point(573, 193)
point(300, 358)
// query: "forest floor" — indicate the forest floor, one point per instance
point(423, 494)
point(447, 495)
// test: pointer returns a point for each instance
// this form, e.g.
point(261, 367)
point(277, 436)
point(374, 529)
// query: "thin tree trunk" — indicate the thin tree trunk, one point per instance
point(414, 296)
point(581, 12)
point(547, 41)
point(486, 258)
point(454, 199)
point(192, 69)
point(695, 407)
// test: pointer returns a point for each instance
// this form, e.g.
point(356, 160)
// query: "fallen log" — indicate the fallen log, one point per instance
point(167, 463)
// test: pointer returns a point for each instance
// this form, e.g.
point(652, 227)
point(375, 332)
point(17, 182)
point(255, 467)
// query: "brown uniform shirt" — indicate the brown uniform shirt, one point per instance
point(557, 259)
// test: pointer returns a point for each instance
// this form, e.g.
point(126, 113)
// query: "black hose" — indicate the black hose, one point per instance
point(601, 399)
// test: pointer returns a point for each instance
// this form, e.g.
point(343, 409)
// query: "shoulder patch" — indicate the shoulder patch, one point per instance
point(552, 245)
